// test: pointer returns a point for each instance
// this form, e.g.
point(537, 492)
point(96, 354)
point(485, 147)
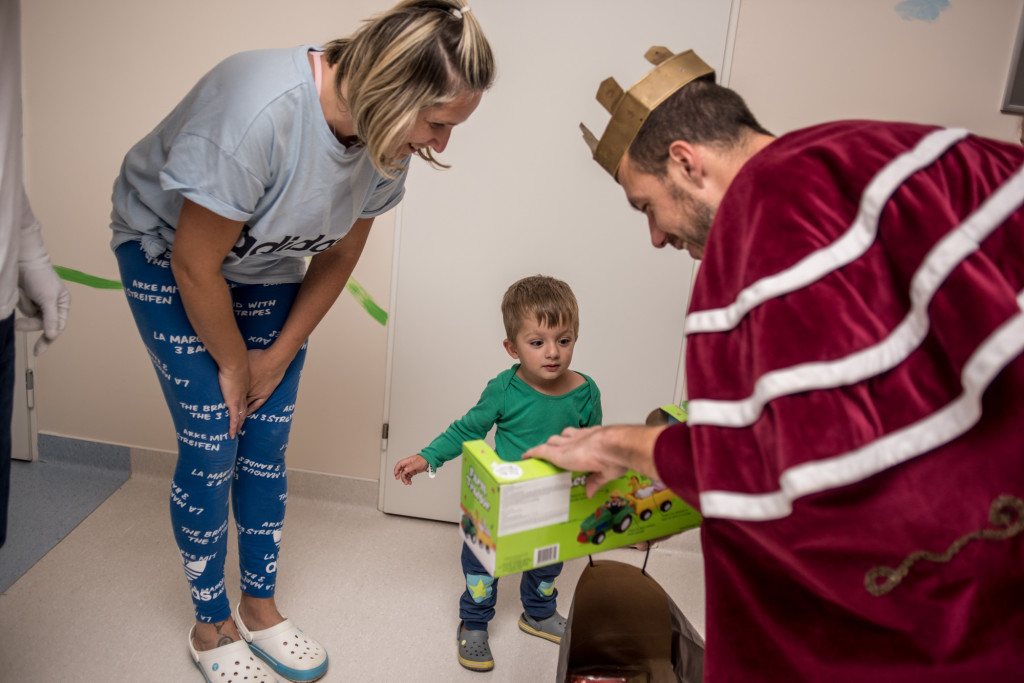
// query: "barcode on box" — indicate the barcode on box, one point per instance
point(545, 555)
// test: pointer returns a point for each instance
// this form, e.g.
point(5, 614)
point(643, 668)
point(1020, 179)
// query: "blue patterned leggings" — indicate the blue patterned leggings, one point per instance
point(212, 468)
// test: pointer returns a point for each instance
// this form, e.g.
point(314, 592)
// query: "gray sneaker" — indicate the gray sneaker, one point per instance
point(551, 628)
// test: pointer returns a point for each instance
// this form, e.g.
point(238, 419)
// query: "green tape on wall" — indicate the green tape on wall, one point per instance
point(367, 302)
point(354, 288)
point(86, 279)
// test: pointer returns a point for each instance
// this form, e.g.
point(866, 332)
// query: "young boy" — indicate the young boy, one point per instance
point(534, 399)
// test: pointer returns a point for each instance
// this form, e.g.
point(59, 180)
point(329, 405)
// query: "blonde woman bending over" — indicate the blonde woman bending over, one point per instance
point(274, 156)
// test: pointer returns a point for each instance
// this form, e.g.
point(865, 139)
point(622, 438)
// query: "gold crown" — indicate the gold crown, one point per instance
point(629, 109)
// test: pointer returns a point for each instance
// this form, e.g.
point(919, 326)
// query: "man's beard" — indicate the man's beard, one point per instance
point(700, 216)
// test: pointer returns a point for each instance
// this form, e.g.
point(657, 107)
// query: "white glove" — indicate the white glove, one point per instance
point(44, 299)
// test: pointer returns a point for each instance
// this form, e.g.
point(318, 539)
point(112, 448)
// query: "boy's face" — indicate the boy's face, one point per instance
point(544, 354)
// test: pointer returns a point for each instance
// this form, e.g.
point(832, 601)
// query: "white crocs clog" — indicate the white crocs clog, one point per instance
point(287, 650)
point(233, 662)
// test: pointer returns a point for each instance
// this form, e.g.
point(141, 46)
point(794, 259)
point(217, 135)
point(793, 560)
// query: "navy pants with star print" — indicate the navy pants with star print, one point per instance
point(536, 590)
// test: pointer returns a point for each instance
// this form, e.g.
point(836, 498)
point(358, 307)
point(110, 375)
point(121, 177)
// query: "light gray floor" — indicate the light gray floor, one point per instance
point(380, 592)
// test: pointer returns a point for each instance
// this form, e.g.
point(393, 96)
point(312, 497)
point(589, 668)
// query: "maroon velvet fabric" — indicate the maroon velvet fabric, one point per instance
point(788, 595)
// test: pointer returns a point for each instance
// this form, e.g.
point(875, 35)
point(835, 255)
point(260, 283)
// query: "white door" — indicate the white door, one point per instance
point(524, 197)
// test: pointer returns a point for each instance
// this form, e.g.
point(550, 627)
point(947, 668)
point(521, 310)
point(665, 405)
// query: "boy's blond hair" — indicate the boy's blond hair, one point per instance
point(418, 54)
point(545, 299)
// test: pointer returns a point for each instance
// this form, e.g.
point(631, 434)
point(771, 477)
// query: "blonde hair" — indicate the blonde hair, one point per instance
point(418, 54)
point(542, 298)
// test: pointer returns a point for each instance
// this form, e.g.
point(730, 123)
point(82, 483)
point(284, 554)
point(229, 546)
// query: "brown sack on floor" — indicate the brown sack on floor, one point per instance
point(624, 627)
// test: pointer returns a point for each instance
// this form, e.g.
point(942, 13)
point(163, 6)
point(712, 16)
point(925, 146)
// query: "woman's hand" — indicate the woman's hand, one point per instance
point(201, 242)
point(266, 371)
point(234, 385)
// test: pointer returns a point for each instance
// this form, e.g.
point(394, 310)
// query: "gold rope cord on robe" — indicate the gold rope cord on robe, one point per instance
point(1006, 511)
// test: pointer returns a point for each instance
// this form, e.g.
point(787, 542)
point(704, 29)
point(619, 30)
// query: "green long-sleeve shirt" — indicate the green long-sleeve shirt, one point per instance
point(524, 417)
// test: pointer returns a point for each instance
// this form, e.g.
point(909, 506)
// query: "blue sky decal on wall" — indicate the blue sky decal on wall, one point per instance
point(922, 10)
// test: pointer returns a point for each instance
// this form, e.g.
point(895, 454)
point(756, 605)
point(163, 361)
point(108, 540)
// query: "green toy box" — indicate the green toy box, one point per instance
point(674, 413)
point(522, 515)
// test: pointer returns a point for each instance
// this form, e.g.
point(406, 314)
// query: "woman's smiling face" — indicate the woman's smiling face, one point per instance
point(433, 125)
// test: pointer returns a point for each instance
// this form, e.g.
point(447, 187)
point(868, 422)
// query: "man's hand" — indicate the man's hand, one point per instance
point(580, 450)
point(44, 301)
point(605, 452)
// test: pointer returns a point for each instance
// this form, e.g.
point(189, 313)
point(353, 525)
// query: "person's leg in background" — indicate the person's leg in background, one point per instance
point(7, 362)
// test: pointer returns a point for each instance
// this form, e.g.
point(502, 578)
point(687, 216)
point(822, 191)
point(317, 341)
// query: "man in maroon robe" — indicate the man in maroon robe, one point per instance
point(855, 438)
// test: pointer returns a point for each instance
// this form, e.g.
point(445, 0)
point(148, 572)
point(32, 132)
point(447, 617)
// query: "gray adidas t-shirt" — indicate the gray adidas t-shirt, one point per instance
point(250, 143)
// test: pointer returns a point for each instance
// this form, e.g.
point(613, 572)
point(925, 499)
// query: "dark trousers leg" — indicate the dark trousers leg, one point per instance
point(6, 411)
point(537, 591)
point(476, 606)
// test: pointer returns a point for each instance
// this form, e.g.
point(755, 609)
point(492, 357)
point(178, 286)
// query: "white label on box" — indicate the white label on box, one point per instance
point(506, 470)
point(534, 504)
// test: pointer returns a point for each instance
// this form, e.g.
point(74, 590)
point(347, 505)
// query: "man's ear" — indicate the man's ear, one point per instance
point(511, 349)
point(688, 161)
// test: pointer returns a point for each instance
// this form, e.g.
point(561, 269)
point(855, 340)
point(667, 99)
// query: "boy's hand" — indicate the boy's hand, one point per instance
point(409, 467)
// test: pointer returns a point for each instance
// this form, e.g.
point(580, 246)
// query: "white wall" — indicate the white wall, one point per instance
point(530, 199)
point(801, 62)
point(100, 74)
